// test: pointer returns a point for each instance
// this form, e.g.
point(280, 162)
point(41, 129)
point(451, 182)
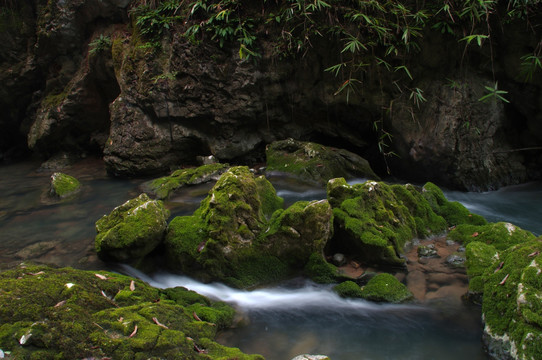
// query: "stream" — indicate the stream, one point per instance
point(281, 322)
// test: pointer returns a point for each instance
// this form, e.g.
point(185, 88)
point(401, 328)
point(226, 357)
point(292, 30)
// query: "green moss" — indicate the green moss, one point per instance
point(219, 352)
point(63, 185)
point(511, 293)
point(241, 235)
point(386, 288)
point(373, 223)
point(185, 297)
point(501, 235)
point(315, 162)
point(348, 289)
point(258, 269)
point(319, 270)
point(453, 212)
point(131, 230)
point(219, 314)
point(70, 314)
point(302, 229)
point(268, 197)
point(163, 187)
point(186, 237)
point(52, 101)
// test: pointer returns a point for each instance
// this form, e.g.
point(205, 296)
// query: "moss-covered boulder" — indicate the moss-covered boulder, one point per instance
point(48, 313)
point(132, 230)
point(373, 220)
point(63, 185)
point(163, 187)
point(241, 235)
point(222, 233)
point(452, 211)
point(316, 163)
point(386, 288)
point(348, 289)
point(299, 231)
point(511, 306)
point(500, 235)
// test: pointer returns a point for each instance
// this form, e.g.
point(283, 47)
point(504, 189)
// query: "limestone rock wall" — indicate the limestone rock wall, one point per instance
point(148, 109)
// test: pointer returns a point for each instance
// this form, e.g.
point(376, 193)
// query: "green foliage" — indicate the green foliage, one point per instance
point(153, 20)
point(225, 21)
point(494, 94)
point(530, 64)
point(99, 45)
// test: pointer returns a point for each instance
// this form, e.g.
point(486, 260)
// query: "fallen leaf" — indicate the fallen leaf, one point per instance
point(121, 319)
point(196, 316)
point(100, 276)
point(38, 273)
point(534, 253)
point(133, 332)
point(132, 285)
point(59, 304)
point(201, 351)
point(159, 323)
point(504, 280)
point(475, 234)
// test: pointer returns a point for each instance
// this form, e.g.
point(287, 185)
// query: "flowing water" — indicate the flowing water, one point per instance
point(281, 322)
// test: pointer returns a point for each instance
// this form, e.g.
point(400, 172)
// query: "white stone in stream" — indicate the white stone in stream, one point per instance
point(311, 357)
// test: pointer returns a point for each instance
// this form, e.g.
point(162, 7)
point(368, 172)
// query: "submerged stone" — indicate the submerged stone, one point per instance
point(386, 288)
point(49, 313)
point(63, 185)
point(163, 187)
point(316, 163)
point(132, 230)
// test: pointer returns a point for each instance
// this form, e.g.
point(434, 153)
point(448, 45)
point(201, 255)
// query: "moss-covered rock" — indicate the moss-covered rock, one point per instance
point(386, 288)
point(315, 162)
point(241, 235)
point(132, 230)
point(300, 230)
point(65, 313)
point(348, 289)
point(500, 235)
point(320, 271)
point(511, 304)
point(222, 233)
point(373, 220)
point(63, 185)
point(452, 211)
point(163, 187)
point(479, 257)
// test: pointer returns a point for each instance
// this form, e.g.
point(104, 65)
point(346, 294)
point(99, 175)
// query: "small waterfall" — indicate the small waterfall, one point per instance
point(307, 296)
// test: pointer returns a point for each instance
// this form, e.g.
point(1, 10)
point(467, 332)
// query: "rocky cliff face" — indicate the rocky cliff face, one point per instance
point(147, 109)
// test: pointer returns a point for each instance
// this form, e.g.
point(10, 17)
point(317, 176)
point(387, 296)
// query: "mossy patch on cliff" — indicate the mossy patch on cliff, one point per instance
point(65, 313)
